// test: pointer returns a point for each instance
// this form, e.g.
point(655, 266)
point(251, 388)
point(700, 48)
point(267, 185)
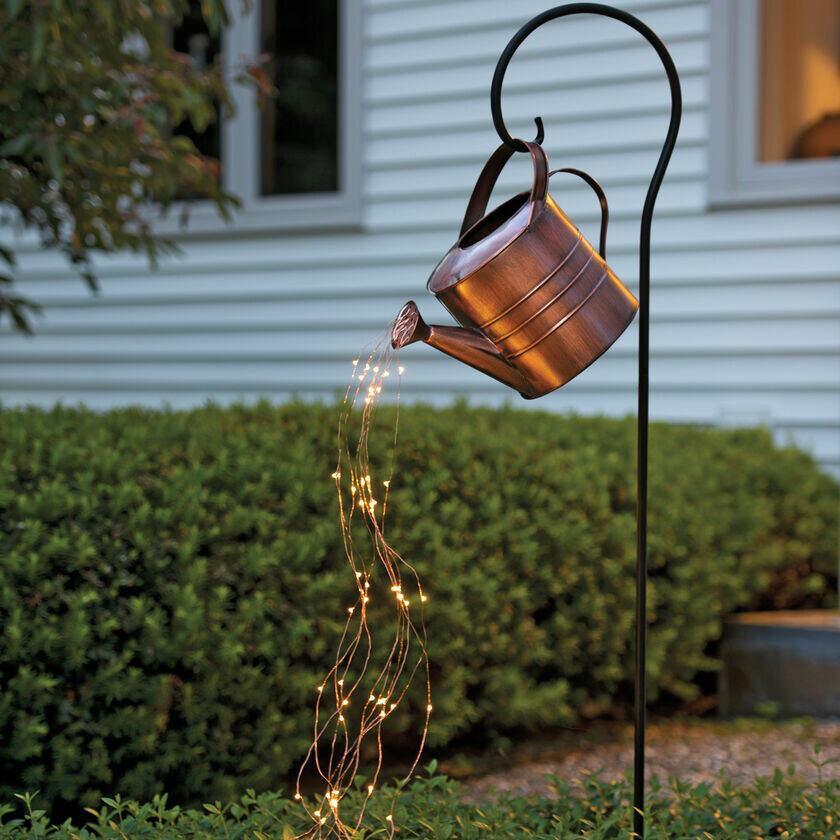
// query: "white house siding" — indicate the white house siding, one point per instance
point(745, 306)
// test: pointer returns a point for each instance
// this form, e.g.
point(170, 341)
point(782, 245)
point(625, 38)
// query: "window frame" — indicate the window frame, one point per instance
point(240, 163)
point(736, 176)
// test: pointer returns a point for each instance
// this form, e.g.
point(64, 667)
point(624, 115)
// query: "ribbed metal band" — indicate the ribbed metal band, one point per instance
point(550, 302)
point(560, 323)
point(536, 288)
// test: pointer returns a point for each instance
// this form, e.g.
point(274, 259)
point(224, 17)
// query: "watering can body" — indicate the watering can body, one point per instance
point(536, 302)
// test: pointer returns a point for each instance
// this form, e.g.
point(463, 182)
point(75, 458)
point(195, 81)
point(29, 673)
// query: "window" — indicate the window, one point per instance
point(299, 135)
point(295, 162)
point(775, 101)
point(799, 107)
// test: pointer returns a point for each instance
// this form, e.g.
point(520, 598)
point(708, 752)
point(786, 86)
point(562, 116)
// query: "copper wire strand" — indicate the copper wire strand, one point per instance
point(337, 751)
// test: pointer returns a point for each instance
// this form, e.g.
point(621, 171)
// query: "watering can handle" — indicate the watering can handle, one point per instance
point(602, 200)
point(477, 205)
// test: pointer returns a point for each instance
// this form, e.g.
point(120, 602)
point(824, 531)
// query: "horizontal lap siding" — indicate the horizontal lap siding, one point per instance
point(746, 303)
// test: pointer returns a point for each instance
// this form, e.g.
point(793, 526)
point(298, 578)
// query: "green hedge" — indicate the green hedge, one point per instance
point(172, 584)
point(433, 809)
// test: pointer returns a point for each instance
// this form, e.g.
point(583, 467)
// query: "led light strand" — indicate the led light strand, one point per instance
point(357, 696)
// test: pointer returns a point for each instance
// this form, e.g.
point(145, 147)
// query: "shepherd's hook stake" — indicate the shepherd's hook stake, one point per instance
point(644, 332)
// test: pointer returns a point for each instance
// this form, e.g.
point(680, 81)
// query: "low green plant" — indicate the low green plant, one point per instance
point(173, 583)
point(781, 805)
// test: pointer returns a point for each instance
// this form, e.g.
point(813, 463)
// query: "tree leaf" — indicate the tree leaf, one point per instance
point(13, 7)
point(15, 146)
point(39, 39)
point(8, 256)
point(52, 156)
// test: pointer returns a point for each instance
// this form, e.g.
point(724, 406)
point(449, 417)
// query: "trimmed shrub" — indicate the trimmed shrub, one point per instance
point(173, 583)
point(777, 806)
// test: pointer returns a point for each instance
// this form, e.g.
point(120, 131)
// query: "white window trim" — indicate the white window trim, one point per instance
point(241, 150)
point(736, 177)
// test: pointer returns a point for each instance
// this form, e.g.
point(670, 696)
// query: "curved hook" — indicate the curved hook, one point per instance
point(644, 30)
point(539, 137)
point(565, 11)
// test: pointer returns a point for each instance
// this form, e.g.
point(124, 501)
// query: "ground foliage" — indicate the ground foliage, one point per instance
point(777, 806)
point(173, 583)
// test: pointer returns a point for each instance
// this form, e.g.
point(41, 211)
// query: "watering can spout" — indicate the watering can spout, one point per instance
point(466, 345)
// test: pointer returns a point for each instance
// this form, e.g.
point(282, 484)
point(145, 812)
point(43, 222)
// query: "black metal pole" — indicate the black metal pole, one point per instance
point(644, 338)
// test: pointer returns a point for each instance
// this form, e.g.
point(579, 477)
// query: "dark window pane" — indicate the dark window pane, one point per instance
point(192, 37)
point(299, 136)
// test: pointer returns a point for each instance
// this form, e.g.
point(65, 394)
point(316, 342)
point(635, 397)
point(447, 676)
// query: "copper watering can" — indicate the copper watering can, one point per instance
point(536, 302)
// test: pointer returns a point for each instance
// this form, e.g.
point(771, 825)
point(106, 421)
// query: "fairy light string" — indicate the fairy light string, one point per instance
point(359, 694)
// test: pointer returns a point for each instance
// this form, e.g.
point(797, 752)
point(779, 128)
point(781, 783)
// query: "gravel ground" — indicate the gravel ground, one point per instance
point(695, 751)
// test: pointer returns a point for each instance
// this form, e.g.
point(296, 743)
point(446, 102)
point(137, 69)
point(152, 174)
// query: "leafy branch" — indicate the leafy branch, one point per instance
point(89, 94)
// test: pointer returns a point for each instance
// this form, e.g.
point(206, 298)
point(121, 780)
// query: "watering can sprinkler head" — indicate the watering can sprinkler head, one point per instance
point(536, 302)
point(409, 327)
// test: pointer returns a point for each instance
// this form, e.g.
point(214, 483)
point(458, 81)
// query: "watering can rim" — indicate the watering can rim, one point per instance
point(451, 270)
point(460, 261)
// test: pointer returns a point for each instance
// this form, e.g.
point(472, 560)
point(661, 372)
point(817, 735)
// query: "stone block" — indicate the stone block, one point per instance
point(788, 661)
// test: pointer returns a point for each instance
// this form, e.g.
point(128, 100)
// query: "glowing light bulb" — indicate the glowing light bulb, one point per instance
point(298, 796)
point(341, 682)
point(336, 474)
point(323, 820)
point(345, 702)
point(387, 483)
point(429, 707)
point(365, 599)
point(355, 362)
point(424, 598)
point(401, 370)
point(319, 689)
point(358, 575)
point(376, 368)
point(371, 699)
point(370, 788)
point(317, 813)
point(390, 818)
point(351, 610)
point(341, 718)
